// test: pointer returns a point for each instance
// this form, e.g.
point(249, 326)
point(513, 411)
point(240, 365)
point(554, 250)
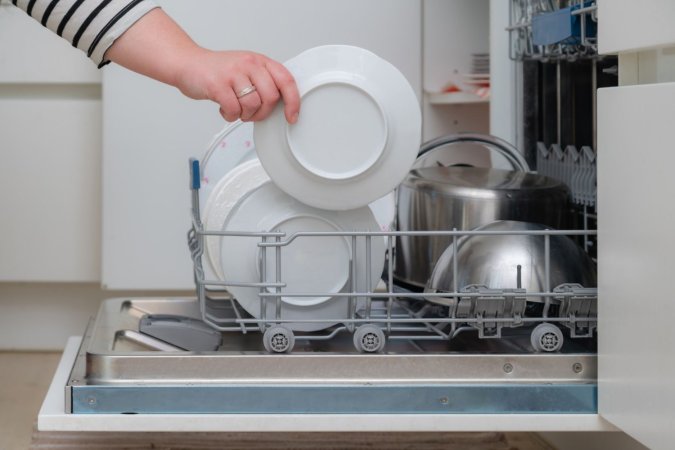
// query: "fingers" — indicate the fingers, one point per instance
point(230, 108)
point(268, 92)
point(286, 86)
point(250, 102)
point(272, 82)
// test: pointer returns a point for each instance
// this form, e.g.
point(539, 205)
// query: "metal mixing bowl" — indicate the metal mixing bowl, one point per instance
point(494, 260)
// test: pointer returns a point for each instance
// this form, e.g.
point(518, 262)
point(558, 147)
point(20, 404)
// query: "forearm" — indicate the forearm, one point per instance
point(156, 47)
point(90, 25)
point(138, 35)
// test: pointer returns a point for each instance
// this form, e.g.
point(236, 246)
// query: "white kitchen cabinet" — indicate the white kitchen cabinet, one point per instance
point(49, 182)
point(150, 129)
point(628, 25)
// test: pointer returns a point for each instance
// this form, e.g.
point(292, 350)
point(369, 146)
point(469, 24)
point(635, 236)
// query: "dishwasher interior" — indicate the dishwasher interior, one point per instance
point(395, 348)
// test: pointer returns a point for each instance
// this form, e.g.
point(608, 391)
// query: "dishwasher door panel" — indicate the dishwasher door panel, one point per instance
point(636, 226)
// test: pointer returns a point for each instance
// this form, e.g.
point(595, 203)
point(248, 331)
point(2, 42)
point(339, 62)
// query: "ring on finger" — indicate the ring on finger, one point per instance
point(247, 90)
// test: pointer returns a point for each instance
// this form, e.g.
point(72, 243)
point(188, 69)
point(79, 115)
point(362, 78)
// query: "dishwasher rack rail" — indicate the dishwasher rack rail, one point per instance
point(391, 312)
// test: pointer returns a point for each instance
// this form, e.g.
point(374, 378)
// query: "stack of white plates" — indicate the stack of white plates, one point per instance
point(333, 171)
point(480, 63)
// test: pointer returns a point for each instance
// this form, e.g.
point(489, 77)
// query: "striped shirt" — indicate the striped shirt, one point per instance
point(90, 25)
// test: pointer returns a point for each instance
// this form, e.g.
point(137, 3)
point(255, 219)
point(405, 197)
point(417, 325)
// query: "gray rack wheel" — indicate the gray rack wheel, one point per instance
point(546, 337)
point(278, 339)
point(369, 339)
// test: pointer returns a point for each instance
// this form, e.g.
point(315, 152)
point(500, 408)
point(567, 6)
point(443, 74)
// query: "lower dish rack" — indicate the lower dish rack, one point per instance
point(391, 312)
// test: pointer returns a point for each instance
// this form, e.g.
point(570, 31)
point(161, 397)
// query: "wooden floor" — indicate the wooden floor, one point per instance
point(288, 441)
point(24, 378)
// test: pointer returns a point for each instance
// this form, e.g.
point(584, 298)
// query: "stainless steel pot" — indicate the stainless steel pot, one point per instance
point(443, 198)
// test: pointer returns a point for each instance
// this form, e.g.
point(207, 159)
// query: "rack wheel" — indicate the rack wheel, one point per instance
point(546, 337)
point(369, 339)
point(278, 339)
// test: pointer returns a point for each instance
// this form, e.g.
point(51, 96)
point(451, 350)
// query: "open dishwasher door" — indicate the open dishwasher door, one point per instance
point(636, 222)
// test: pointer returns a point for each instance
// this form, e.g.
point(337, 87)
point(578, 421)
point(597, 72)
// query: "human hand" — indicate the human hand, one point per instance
point(157, 47)
point(223, 76)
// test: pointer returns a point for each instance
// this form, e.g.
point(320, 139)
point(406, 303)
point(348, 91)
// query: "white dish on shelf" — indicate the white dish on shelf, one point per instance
point(476, 76)
point(358, 132)
point(309, 264)
point(229, 148)
point(456, 98)
point(236, 184)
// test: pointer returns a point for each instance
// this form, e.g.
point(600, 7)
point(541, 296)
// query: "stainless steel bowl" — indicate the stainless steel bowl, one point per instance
point(494, 261)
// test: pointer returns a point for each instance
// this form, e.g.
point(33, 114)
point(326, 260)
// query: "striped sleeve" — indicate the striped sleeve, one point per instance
point(90, 25)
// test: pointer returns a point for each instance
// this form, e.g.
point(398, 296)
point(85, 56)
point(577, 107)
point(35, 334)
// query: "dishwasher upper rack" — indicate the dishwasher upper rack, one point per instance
point(529, 16)
point(375, 316)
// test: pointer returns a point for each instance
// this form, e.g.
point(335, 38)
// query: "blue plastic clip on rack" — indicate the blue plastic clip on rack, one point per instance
point(562, 27)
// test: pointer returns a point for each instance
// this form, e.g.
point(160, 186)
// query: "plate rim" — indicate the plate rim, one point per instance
point(212, 245)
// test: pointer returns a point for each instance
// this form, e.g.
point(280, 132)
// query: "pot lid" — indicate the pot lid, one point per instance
point(468, 180)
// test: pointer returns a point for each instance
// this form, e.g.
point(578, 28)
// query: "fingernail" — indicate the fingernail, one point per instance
point(294, 118)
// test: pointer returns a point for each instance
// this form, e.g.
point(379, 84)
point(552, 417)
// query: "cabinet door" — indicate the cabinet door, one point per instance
point(628, 25)
point(636, 248)
point(49, 223)
point(150, 130)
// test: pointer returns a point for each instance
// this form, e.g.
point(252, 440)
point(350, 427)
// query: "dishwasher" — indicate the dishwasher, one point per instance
point(468, 349)
point(397, 352)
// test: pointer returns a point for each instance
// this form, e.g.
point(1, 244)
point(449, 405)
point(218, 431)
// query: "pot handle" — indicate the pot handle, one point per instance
point(508, 151)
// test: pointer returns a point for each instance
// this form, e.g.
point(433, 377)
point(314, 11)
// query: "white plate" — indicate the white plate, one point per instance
point(309, 264)
point(358, 132)
point(236, 184)
point(229, 148)
point(384, 210)
point(232, 146)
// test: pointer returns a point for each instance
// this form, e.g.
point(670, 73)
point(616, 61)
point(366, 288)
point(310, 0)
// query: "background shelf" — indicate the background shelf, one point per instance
point(455, 98)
